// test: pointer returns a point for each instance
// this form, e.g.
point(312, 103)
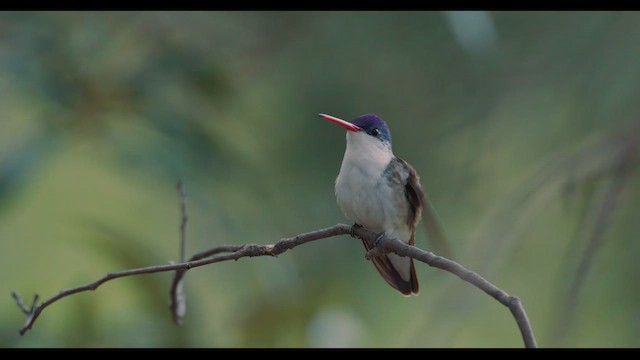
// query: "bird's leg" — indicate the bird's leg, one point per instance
point(376, 250)
point(354, 228)
point(378, 238)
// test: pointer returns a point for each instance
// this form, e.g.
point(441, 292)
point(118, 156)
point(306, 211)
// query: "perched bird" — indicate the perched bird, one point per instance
point(380, 192)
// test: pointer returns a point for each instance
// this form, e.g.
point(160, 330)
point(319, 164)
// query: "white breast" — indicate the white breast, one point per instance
point(364, 194)
point(366, 197)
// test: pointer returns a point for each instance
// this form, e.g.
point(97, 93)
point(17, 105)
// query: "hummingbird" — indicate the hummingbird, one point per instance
point(380, 192)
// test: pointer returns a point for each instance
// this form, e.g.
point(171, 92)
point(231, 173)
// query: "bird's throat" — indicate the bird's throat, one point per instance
point(366, 152)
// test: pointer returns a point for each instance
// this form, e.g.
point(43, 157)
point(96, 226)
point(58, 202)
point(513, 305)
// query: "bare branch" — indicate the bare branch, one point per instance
point(183, 220)
point(512, 302)
point(21, 305)
point(234, 252)
point(220, 253)
point(178, 304)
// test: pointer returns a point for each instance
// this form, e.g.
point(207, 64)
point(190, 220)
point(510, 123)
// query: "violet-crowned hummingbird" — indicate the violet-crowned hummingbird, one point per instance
point(380, 192)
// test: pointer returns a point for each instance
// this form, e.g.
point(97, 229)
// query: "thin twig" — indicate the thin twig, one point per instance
point(21, 304)
point(233, 252)
point(512, 302)
point(178, 304)
point(183, 220)
point(221, 254)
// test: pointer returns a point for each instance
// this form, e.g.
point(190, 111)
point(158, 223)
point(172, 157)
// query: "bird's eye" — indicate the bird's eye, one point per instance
point(374, 132)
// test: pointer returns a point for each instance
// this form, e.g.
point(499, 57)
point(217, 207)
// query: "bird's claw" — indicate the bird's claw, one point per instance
point(354, 228)
point(376, 250)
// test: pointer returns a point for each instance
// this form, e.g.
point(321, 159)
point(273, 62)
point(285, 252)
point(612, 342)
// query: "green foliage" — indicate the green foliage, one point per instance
point(517, 134)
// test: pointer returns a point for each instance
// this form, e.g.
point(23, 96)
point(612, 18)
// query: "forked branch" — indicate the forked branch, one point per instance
point(234, 252)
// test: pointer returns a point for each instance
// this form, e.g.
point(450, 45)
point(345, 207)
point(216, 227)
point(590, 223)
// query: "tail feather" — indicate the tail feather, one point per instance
point(391, 275)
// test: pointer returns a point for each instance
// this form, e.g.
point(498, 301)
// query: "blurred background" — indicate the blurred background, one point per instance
point(524, 127)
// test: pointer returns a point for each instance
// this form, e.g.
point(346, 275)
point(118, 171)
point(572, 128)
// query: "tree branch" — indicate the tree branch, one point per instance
point(183, 220)
point(21, 304)
point(512, 302)
point(178, 304)
point(235, 252)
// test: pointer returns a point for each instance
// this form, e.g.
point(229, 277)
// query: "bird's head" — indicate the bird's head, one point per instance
point(365, 128)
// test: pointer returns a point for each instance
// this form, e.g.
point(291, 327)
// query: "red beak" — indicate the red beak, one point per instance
point(345, 124)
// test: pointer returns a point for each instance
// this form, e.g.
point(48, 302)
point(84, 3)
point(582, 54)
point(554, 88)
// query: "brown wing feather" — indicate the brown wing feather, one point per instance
point(391, 275)
point(406, 176)
point(415, 196)
point(421, 205)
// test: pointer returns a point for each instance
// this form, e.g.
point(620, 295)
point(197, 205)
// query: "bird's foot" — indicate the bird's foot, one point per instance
point(354, 228)
point(378, 238)
point(377, 250)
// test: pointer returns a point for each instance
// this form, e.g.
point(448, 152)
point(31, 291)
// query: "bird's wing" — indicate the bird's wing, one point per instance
point(400, 173)
point(422, 206)
point(415, 196)
point(407, 177)
point(391, 275)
